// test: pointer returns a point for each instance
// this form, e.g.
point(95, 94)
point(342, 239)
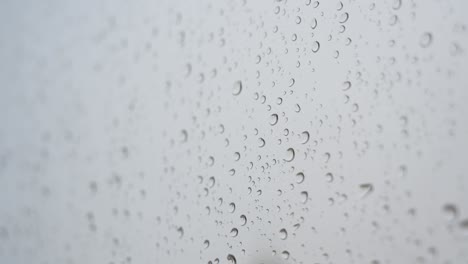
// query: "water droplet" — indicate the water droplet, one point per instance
point(315, 46)
point(451, 211)
point(180, 230)
point(300, 177)
point(285, 254)
point(232, 207)
point(231, 259)
point(237, 88)
point(346, 86)
point(261, 142)
point(313, 24)
point(234, 232)
point(344, 17)
point(184, 136)
point(243, 220)
point(290, 155)
point(304, 197)
point(273, 119)
point(206, 243)
point(283, 234)
point(425, 40)
point(368, 188)
point(329, 177)
point(237, 156)
point(298, 20)
point(396, 4)
point(306, 137)
point(211, 182)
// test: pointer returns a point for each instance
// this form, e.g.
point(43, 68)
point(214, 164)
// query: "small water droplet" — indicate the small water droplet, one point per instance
point(234, 232)
point(243, 220)
point(206, 243)
point(231, 259)
point(273, 119)
point(237, 88)
point(329, 177)
point(300, 177)
point(283, 234)
point(232, 207)
point(315, 46)
point(425, 40)
point(451, 211)
point(290, 155)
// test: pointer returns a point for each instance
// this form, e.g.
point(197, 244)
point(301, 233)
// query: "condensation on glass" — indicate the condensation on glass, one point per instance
point(279, 131)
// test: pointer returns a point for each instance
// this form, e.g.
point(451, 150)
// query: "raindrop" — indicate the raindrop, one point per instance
point(451, 211)
point(346, 86)
point(232, 207)
point(313, 24)
point(290, 155)
point(261, 142)
point(180, 230)
point(231, 259)
point(283, 234)
point(234, 232)
point(329, 177)
point(237, 88)
point(344, 17)
point(306, 137)
point(243, 220)
point(273, 119)
point(315, 46)
point(211, 182)
point(184, 136)
point(396, 4)
point(300, 177)
point(304, 197)
point(298, 20)
point(425, 40)
point(237, 156)
point(206, 243)
point(292, 82)
point(368, 188)
point(285, 254)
